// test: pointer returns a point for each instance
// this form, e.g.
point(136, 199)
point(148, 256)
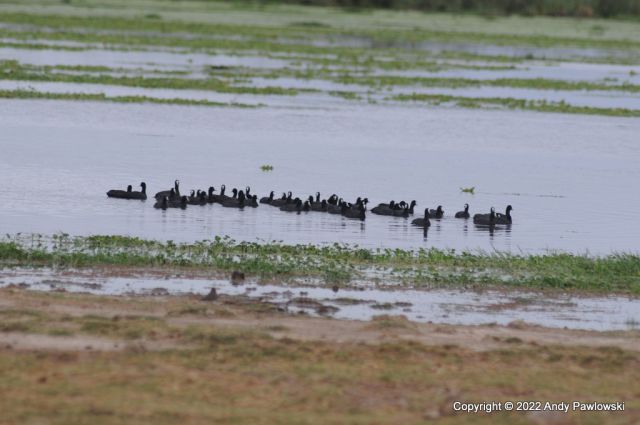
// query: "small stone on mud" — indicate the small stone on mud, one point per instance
point(211, 296)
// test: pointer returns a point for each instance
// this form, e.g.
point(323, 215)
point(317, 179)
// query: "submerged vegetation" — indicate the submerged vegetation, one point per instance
point(335, 263)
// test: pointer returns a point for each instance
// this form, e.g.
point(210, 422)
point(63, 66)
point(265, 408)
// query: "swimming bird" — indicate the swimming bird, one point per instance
point(221, 197)
point(285, 199)
point(251, 201)
point(129, 193)
point(463, 214)
point(384, 209)
point(267, 199)
point(355, 211)
point(317, 205)
point(320, 207)
point(485, 219)
point(335, 208)
point(162, 204)
point(199, 198)
point(422, 222)
point(506, 217)
point(438, 213)
point(176, 190)
point(210, 195)
point(296, 206)
point(236, 202)
point(180, 202)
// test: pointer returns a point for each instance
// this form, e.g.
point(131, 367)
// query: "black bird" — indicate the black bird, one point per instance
point(210, 195)
point(465, 213)
point(384, 209)
point(251, 201)
point(296, 206)
point(422, 222)
point(267, 199)
point(236, 202)
point(162, 204)
point(320, 206)
point(199, 198)
point(438, 213)
point(355, 211)
point(176, 190)
point(411, 206)
point(506, 217)
point(335, 208)
point(286, 199)
point(485, 219)
point(129, 193)
point(180, 202)
point(221, 197)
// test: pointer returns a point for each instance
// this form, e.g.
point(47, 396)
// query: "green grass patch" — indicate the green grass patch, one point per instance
point(511, 103)
point(101, 97)
point(336, 263)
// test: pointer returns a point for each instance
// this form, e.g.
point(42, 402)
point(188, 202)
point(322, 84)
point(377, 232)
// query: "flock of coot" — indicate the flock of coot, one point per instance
point(172, 198)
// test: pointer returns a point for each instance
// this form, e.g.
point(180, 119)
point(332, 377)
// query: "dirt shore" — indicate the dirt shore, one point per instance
point(77, 358)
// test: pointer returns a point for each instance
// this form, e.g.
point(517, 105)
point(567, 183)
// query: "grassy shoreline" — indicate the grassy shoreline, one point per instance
point(336, 264)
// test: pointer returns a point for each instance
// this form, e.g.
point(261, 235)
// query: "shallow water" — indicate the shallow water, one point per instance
point(515, 51)
point(137, 59)
point(567, 71)
point(570, 178)
point(435, 305)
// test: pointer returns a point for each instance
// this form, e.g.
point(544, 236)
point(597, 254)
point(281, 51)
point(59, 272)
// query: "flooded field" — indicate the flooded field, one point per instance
point(412, 112)
point(113, 311)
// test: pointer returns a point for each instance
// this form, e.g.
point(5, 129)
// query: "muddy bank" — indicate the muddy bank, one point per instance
point(359, 301)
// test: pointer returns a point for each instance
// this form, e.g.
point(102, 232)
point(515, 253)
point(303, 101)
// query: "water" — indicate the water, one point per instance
point(570, 178)
point(462, 307)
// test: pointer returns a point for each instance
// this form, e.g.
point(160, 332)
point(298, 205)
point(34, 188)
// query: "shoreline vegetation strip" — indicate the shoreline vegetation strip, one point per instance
point(101, 97)
point(335, 263)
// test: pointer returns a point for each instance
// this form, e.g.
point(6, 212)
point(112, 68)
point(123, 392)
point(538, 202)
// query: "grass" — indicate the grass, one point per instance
point(470, 190)
point(335, 263)
point(170, 370)
point(512, 103)
point(523, 83)
point(100, 97)
point(67, 24)
point(14, 71)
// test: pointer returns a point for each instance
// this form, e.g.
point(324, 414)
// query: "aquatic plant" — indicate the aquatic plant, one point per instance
point(470, 190)
point(266, 167)
point(101, 97)
point(512, 103)
point(334, 263)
